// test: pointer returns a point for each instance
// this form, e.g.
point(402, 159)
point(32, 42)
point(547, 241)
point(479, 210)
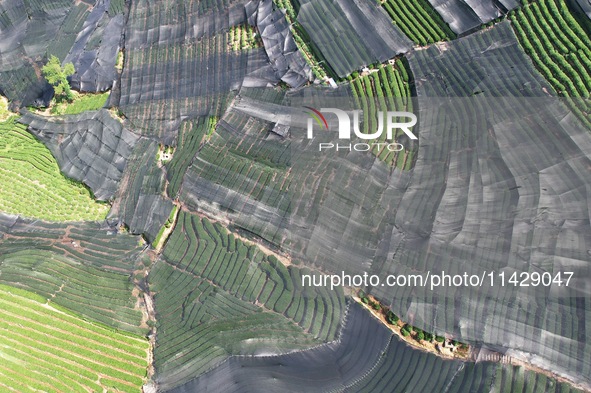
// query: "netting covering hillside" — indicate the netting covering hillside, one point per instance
point(80, 32)
point(465, 16)
point(179, 64)
point(474, 201)
point(140, 203)
point(31, 30)
point(91, 147)
point(366, 358)
point(94, 53)
point(500, 184)
point(351, 35)
point(491, 63)
point(292, 196)
point(405, 369)
point(222, 173)
point(232, 174)
point(326, 368)
point(585, 7)
point(288, 63)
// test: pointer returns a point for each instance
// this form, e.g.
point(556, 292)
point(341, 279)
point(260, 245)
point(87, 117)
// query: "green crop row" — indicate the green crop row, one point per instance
point(418, 20)
point(116, 7)
point(243, 37)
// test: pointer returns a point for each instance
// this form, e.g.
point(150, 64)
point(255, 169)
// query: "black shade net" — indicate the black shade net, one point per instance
point(91, 147)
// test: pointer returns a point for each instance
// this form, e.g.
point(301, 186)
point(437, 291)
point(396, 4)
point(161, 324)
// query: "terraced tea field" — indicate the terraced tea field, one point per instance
point(74, 266)
point(32, 184)
point(387, 88)
point(216, 295)
point(48, 349)
point(65, 282)
point(559, 47)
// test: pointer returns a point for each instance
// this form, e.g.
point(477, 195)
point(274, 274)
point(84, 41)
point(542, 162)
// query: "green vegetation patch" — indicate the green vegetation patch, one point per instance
point(81, 103)
point(5, 113)
point(32, 184)
point(559, 47)
point(165, 227)
point(191, 135)
point(48, 349)
point(418, 20)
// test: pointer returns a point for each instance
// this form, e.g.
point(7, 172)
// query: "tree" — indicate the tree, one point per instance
point(57, 76)
point(420, 335)
point(363, 297)
point(406, 329)
point(392, 318)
